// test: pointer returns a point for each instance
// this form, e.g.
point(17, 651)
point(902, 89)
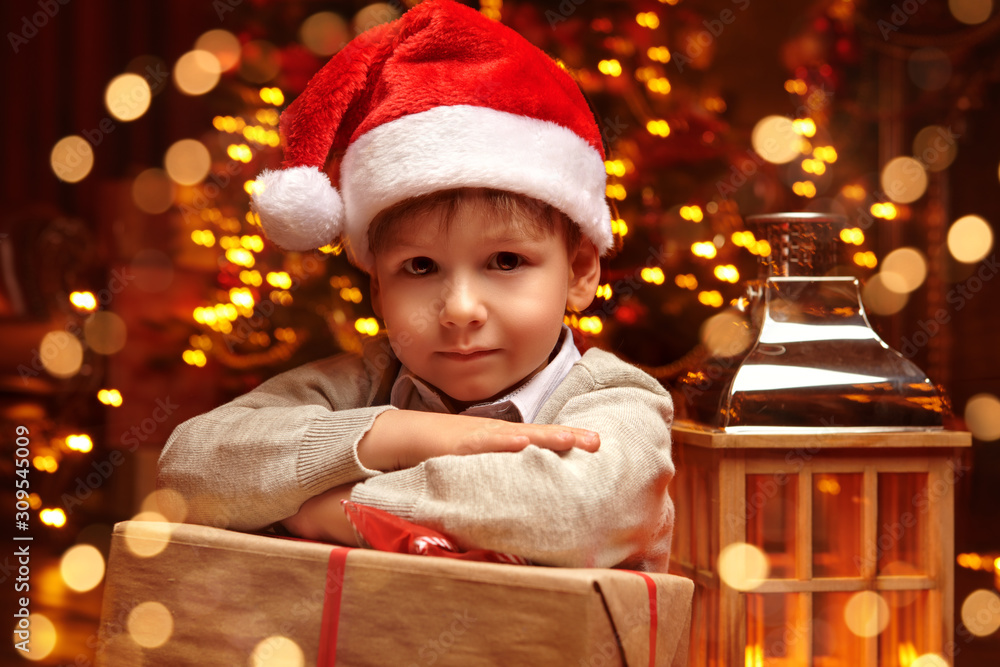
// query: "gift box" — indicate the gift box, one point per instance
point(179, 594)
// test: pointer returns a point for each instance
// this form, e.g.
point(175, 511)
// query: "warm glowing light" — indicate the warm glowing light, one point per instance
point(79, 442)
point(884, 210)
point(971, 12)
point(240, 257)
point(970, 239)
point(763, 248)
point(352, 294)
point(82, 567)
point(592, 325)
point(83, 301)
point(711, 298)
point(324, 33)
point(272, 96)
point(61, 354)
point(197, 72)
point(277, 651)
point(615, 191)
point(54, 517)
point(71, 159)
point(929, 660)
point(111, 397)
point(796, 86)
point(279, 279)
point(804, 126)
point(692, 213)
point(727, 273)
point(982, 416)
point(743, 566)
point(187, 161)
point(660, 54)
point(105, 332)
point(614, 167)
point(46, 463)
point(194, 358)
point(203, 237)
point(610, 67)
point(813, 167)
point(804, 188)
point(904, 180)
point(167, 503)
point(726, 334)
point(648, 20)
point(866, 614)
point(153, 191)
point(652, 275)
point(936, 147)
point(879, 299)
point(981, 612)
point(150, 624)
point(658, 127)
point(704, 249)
point(222, 44)
point(659, 85)
point(686, 281)
point(127, 97)
point(825, 153)
point(904, 270)
point(43, 637)
point(366, 325)
point(603, 291)
point(854, 192)
point(239, 152)
point(147, 534)
point(619, 227)
point(852, 235)
point(253, 187)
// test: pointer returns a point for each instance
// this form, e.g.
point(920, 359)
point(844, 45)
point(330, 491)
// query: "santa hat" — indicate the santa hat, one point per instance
point(442, 98)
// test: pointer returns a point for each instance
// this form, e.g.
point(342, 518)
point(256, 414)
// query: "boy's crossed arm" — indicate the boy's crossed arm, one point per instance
point(402, 439)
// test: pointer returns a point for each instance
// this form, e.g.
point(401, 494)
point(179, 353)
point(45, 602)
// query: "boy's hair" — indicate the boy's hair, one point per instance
point(528, 215)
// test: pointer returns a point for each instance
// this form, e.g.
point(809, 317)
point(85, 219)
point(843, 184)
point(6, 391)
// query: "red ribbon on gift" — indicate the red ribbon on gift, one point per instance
point(335, 586)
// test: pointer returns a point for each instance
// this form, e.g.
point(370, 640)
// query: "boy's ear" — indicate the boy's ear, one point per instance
point(584, 275)
point(376, 293)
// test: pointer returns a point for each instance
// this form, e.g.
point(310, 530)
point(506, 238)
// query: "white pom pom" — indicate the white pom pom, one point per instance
point(299, 208)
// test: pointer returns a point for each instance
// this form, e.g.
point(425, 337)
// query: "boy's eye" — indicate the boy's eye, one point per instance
point(419, 266)
point(505, 261)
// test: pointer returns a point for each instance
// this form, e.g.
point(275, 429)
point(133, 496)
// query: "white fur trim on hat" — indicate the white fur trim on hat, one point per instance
point(469, 146)
point(299, 208)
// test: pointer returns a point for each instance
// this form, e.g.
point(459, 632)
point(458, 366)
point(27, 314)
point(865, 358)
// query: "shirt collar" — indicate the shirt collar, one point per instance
point(520, 405)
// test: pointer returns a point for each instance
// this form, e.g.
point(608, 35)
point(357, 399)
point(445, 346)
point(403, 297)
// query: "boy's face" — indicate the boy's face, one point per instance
point(475, 306)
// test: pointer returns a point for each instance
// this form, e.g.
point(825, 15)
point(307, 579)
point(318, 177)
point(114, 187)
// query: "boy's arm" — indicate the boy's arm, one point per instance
point(256, 459)
point(572, 508)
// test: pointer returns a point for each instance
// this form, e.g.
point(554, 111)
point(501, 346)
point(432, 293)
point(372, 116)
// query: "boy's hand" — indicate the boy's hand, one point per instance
point(404, 438)
point(322, 518)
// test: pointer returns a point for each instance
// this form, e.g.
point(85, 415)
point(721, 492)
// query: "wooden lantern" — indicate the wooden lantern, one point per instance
point(858, 533)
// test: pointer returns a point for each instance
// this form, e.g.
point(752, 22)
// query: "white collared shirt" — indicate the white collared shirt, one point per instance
point(520, 405)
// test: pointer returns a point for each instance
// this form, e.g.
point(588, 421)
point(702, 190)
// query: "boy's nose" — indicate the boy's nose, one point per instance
point(463, 306)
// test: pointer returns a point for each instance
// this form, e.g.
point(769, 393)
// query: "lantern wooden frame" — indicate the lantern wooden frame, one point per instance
point(711, 495)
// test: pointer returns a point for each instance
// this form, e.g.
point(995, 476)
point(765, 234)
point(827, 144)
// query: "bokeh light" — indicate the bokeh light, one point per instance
point(188, 161)
point(197, 72)
point(222, 44)
point(970, 239)
point(982, 416)
point(277, 651)
point(904, 270)
point(971, 12)
point(105, 332)
point(743, 566)
point(881, 300)
point(866, 614)
point(61, 354)
point(774, 138)
point(150, 624)
point(71, 159)
point(929, 68)
point(127, 97)
point(981, 612)
point(260, 61)
point(43, 637)
point(374, 14)
point(153, 191)
point(904, 180)
point(929, 660)
point(726, 334)
point(150, 537)
point(935, 147)
point(82, 567)
point(324, 33)
point(167, 503)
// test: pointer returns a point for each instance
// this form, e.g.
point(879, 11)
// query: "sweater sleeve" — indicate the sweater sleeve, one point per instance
point(571, 509)
point(256, 459)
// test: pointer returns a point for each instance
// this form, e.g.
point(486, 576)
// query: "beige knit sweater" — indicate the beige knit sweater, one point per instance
point(255, 460)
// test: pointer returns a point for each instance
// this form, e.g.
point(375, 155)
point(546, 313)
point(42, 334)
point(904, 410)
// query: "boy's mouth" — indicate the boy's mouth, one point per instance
point(467, 355)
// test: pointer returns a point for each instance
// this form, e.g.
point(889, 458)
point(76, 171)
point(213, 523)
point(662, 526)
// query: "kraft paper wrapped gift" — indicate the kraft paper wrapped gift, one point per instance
point(180, 594)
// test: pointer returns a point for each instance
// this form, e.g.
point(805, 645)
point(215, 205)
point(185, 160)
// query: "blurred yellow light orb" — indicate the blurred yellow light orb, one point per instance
point(105, 332)
point(224, 45)
point(982, 415)
point(277, 651)
point(324, 33)
point(774, 138)
point(153, 191)
point(981, 612)
point(743, 566)
point(43, 637)
point(971, 12)
point(82, 567)
point(188, 161)
point(879, 299)
point(970, 239)
point(904, 180)
point(866, 614)
point(61, 354)
point(127, 97)
point(904, 270)
point(71, 159)
point(936, 147)
point(197, 72)
point(150, 624)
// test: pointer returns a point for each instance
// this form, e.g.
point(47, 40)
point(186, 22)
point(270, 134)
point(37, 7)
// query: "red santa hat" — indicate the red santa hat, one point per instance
point(442, 98)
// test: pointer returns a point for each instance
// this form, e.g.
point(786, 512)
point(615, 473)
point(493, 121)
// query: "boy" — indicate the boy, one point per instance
point(479, 212)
